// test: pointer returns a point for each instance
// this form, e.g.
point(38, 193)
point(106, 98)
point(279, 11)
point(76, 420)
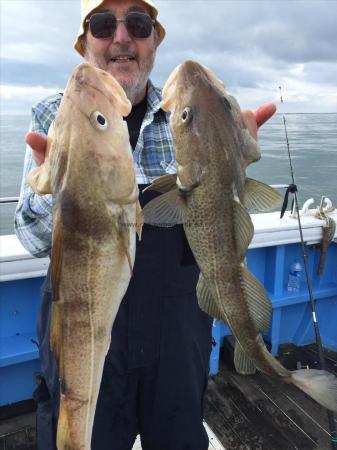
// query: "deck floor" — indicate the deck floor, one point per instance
point(245, 413)
point(214, 443)
point(19, 434)
point(256, 412)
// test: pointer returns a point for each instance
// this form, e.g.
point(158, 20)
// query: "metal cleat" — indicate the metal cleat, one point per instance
point(304, 211)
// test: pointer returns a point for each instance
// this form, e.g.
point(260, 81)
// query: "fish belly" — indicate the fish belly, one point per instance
point(93, 284)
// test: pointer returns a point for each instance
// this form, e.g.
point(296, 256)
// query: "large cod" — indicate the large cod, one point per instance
point(210, 195)
point(89, 171)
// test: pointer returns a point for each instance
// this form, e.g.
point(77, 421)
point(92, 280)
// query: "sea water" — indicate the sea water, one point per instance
point(313, 148)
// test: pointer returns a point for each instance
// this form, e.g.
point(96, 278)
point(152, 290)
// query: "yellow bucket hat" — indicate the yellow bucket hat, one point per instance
point(88, 6)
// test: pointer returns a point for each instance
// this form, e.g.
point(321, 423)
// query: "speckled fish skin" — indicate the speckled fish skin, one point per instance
point(209, 195)
point(89, 170)
point(212, 143)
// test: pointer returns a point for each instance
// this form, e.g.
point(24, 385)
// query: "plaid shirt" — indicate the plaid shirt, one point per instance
point(153, 157)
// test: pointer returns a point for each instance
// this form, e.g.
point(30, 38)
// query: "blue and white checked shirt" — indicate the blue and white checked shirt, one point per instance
point(153, 157)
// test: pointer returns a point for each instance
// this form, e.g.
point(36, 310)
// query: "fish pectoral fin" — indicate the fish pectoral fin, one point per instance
point(260, 197)
point(39, 179)
point(244, 229)
point(163, 184)
point(56, 255)
point(243, 364)
point(122, 228)
point(56, 327)
point(206, 300)
point(139, 220)
point(259, 305)
point(165, 210)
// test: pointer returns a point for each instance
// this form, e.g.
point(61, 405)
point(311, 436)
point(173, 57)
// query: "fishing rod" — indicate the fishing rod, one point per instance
point(292, 188)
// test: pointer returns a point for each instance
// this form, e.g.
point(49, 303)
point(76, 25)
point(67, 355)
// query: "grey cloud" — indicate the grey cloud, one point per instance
point(249, 44)
point(21, 73)
point(40, 32)
point(295, 31)
point(321, 72)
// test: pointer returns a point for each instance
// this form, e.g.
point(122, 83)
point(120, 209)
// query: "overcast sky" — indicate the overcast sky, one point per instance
point(253, 46)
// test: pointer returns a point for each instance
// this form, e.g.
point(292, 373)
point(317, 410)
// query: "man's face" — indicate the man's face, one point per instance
point(131, 73)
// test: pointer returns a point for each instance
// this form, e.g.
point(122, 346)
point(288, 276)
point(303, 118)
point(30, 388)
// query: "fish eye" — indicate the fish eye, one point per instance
point(186, 115)
point(98, 121)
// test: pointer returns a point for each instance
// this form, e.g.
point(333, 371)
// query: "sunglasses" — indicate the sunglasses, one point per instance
point(103, 25)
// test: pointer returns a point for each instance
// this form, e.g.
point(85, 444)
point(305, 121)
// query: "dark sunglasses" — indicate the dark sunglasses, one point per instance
point(103, 24)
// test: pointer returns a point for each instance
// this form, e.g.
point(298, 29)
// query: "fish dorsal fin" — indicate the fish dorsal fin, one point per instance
point(260, 197)
point(258, 302)
point(163, 184)
point(259, 308)
point(206, 301)
point(243, 364)
point(244, 229)
point(165, 210)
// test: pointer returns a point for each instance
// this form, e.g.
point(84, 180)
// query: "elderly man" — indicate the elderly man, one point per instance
point(155, 374)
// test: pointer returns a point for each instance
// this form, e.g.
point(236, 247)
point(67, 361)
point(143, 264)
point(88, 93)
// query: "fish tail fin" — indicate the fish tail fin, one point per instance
point(319, 385)
point(64, 441)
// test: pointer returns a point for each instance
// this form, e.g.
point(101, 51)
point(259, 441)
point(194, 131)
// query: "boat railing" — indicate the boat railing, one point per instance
point(9, 200)
point(16, 199)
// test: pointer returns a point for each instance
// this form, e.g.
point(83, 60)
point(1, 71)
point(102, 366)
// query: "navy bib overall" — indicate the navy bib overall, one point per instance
point(155, 373)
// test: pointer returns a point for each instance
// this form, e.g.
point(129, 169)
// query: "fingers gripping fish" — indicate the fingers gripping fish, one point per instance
point(89, 171)
point(210, 195)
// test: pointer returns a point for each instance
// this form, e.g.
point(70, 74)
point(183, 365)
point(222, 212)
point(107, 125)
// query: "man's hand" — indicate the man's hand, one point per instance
point(38, 143)
point(254, 120)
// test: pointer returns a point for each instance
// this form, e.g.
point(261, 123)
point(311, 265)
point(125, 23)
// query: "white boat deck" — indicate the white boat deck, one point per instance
point(214, 443)
point(16, 263)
